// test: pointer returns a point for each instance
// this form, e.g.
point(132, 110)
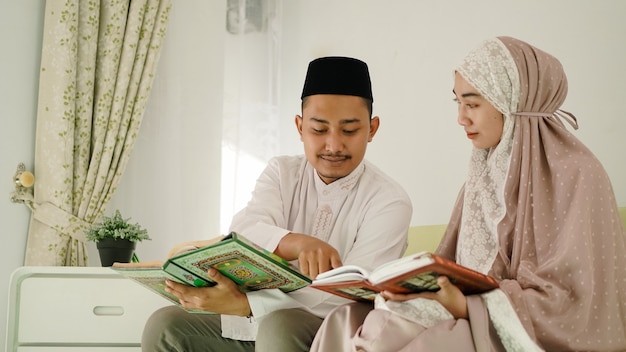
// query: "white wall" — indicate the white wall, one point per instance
point(21, 23)
point(411, 47)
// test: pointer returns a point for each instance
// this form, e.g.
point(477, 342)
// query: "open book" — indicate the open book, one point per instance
point(410, 274)
point(153, 279)
point(250, 266)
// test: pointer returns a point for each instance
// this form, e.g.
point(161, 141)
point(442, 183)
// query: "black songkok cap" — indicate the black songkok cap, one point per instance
point(338, 75)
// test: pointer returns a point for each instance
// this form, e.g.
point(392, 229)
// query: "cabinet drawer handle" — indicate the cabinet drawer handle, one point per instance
point(108, 310)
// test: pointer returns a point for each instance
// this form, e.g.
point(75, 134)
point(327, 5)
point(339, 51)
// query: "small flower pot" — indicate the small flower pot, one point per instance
point(113, 250)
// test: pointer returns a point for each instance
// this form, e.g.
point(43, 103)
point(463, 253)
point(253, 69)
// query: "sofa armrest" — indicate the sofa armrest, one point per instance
point(424, 238)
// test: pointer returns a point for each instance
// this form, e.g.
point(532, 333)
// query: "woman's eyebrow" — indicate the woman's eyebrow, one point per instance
point(467, 95)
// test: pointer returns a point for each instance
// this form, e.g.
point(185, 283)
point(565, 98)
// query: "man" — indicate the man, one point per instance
point(319, 210)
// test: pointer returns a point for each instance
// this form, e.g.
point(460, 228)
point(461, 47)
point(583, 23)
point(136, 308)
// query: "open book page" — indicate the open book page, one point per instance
point(381, 273)
point(354, 282)
point(153, 279)
point(396, 267)
point(342, 273)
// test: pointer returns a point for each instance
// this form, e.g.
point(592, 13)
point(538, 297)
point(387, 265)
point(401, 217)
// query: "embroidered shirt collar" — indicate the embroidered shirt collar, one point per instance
point(341, 186)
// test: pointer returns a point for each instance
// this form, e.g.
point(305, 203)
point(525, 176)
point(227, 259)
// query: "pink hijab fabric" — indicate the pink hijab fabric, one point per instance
point(551, 231)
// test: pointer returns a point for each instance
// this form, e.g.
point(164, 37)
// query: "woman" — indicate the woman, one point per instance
point(537, 212)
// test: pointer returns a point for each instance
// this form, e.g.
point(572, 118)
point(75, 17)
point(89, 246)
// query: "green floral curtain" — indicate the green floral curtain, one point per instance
point(98, 63)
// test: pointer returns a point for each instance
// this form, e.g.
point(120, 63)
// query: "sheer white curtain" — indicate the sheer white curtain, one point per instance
point(251, 121)
point(211, 116)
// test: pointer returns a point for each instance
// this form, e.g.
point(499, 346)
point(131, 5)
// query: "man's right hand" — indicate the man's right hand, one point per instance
point(314, 255)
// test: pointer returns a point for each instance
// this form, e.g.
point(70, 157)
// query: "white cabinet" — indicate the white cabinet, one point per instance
point(76, 349)
point(77, 308)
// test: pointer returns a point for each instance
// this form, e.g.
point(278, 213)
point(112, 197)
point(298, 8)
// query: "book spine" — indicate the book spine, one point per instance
point(182, 275)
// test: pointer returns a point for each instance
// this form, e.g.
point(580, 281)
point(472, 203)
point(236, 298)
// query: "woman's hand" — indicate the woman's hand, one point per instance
point(448, 295)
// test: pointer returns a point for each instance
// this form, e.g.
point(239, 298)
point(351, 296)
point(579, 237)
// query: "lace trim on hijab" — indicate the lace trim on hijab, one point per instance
point(425, 312)
point(484, 206)
point(508, 326)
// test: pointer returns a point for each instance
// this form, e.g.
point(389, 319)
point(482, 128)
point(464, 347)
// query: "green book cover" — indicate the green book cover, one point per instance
point(247, 264)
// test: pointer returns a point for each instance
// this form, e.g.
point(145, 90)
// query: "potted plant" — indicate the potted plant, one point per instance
point(116, 238)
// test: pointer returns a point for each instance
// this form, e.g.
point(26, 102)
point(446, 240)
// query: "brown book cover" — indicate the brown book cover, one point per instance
point(410, 274)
